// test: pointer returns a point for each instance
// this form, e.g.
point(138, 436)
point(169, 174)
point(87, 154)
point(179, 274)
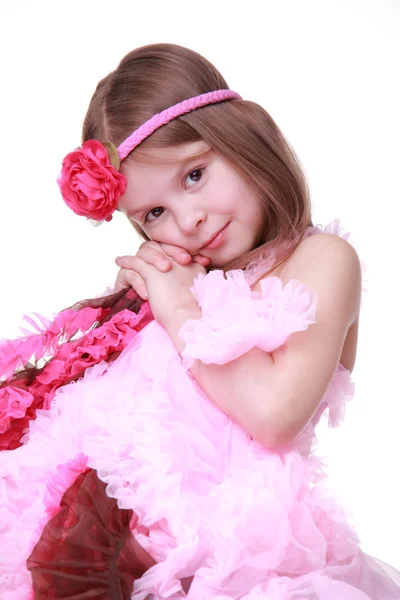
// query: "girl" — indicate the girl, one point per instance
point(182, 461)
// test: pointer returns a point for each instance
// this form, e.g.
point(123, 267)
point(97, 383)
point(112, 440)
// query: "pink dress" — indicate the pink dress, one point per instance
point(202, 501)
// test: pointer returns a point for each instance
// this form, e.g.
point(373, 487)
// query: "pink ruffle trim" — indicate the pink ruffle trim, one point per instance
point(17, 354)
point(236, 319)
point(19, 402)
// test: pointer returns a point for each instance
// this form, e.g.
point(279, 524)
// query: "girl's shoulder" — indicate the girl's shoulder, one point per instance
point(318, 249)
point(316, 239)
point(320, 252)
point(328, 265)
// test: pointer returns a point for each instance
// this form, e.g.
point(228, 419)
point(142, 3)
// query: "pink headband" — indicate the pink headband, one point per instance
point(89, 180)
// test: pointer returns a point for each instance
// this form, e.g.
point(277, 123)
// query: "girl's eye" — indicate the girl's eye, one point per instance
point(153, 214)
point(193, 177)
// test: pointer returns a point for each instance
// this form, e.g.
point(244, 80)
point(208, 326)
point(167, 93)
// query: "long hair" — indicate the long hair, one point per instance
point(147, 81)
point(152, 78)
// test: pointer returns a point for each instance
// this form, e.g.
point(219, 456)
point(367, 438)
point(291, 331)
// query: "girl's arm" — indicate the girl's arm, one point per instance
point(274, 395)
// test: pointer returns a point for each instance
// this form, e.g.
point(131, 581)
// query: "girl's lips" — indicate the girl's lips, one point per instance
point(217, 240)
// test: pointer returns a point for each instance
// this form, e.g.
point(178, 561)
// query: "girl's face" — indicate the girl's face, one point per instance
point(190, 196)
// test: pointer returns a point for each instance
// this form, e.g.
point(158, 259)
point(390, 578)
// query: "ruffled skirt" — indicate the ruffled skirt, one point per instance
point(133, 482)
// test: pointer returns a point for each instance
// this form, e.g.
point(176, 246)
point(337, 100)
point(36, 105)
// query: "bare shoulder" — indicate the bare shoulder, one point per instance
point(329, 265)
point(321, 256)
point(323, 250)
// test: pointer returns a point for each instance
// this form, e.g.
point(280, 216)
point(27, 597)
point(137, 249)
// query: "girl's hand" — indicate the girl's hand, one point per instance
point(167, 288)
point(158, 255)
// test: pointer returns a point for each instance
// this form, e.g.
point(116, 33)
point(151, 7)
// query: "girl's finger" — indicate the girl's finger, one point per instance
point(180, 255)
point(148, 254)
point(201, 260)
point(128, 278)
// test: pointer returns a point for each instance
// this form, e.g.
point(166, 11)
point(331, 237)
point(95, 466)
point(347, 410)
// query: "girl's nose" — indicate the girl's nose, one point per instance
point(189, 220)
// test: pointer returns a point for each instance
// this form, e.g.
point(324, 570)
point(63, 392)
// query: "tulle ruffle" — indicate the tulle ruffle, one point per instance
point(87, 549)
point(44, 340)
point(214, 508)
point(75, 347)
point(235, 319)
point(211, 503)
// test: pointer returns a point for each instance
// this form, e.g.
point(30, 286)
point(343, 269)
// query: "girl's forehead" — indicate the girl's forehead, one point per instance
point(170, 155)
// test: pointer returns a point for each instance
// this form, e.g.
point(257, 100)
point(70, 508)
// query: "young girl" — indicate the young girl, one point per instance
point(179, 461)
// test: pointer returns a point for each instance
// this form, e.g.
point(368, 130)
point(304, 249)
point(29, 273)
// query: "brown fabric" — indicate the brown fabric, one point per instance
point(87, 550)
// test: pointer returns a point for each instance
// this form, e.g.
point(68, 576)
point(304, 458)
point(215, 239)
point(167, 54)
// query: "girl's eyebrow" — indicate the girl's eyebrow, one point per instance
point(185, 160)
point(195, 155)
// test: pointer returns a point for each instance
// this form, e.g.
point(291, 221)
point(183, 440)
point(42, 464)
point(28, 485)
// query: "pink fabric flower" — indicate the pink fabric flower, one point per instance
point(90, 185)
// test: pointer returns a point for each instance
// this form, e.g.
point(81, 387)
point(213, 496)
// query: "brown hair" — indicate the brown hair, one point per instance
point(152, 78)
point(155, 77)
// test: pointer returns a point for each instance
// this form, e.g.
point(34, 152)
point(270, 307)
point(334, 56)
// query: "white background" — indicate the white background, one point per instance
point(327, 71)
